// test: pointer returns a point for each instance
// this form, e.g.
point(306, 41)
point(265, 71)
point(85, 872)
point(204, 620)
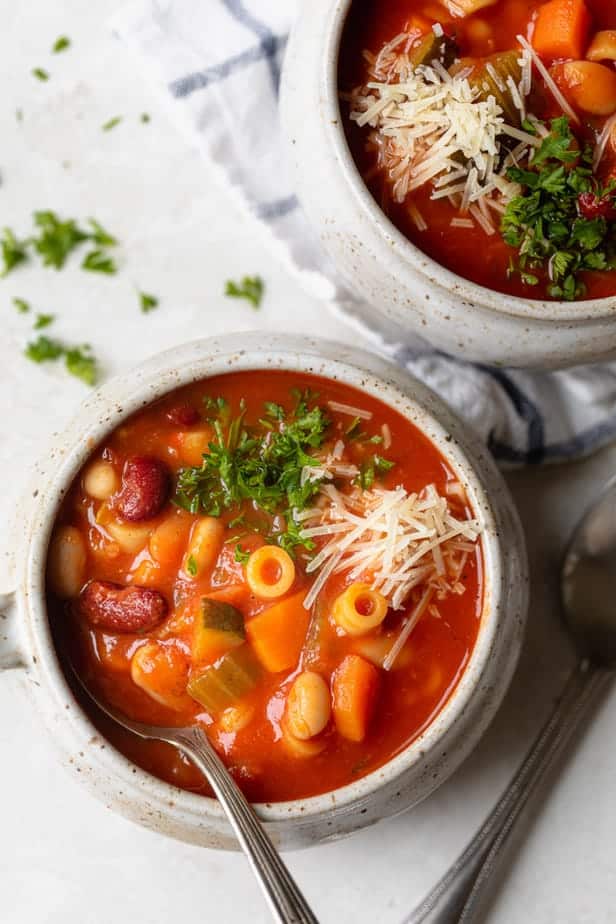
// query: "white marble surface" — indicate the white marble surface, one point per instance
point(64, 857)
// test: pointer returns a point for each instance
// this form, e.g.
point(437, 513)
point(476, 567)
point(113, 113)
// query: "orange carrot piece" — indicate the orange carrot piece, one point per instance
point(589, 87)
point(354, 687)
point(562, 29)
point(278, 633)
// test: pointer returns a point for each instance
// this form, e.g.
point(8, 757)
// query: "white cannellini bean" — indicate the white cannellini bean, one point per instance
point(130, 538)
point(101, 480)
point(308, 706)
point(203, 547)
point(66, 562)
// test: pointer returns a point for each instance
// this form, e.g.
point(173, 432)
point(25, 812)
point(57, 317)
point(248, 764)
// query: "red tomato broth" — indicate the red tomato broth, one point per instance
point(410, 695)
point(468, 252)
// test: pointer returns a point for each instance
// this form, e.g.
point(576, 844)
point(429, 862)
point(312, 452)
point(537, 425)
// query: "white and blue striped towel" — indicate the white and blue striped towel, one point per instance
point(219, 63)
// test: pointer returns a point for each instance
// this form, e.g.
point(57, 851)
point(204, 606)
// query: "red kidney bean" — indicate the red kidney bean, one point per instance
point(592, 206)
point(145, 488)
point(183, 415)
point(111, 606)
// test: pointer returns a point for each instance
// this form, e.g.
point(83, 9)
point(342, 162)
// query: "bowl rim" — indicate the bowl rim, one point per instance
point(180, 366)
point(500, 302)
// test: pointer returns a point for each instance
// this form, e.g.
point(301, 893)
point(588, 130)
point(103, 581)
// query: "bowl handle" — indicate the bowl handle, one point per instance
point(11, 653)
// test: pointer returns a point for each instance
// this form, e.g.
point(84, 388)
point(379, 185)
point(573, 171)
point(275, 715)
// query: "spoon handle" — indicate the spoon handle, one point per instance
point(458, 896)
point(286, 902)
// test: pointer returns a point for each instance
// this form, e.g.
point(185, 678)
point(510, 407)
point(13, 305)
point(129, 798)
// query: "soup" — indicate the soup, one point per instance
point(485, 129)
point(279, 558)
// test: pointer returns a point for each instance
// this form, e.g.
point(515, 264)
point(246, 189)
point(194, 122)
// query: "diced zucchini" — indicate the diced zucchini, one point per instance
point(433, 47)
point(222, 684)
point(504, 64)
point(218, 627)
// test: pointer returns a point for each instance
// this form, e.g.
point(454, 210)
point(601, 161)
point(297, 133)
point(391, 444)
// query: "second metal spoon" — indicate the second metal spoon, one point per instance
point(589, 597)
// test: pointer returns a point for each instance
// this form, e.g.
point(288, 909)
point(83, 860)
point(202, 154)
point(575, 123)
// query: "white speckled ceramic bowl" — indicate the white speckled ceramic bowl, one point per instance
point(379, 263)
point(26, 643)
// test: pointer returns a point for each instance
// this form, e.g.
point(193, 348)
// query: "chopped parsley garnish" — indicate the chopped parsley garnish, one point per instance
point(147, 302)
point(61, 44)
point(370, 468)
point(265, 469)
point(145, 117)
point(250, 288)
point(13, 251)
point(97, 261)
point(563, 221)
point(191, 566)
point(43, 320)
point(19, 115)
point(111, 123)
point(78, 360)
point(22, 306)
point(100, 235)
point(215, 404)
point(241, 555)
point(40, 73)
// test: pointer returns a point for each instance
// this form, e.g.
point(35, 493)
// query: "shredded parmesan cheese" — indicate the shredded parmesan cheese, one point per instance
point(558, 96)
point(350, 410)
point(393, 540)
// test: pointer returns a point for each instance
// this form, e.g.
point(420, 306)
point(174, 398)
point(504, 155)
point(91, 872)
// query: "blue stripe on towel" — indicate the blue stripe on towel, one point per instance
point(198, 80)
point(276, 208)
point(527, 410)
point(268, 41)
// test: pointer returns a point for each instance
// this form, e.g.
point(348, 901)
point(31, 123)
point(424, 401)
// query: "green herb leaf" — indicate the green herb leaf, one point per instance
point(21, 304)
point(43, 320)
point(19, 115)
point(250, 288)
point(40, 73)
point(111, 123)
point(43, 349)
point(61, 44)
point(241, 555)
point(13, 251)
point(97, 261)
point(148, 302)
point(99, 235)
point(191, 566)
point(145, 117)
point(80, 363)
point(57, 238)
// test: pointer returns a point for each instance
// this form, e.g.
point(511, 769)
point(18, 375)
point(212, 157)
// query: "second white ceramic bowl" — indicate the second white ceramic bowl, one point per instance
point(26, 642)
point(379, 264)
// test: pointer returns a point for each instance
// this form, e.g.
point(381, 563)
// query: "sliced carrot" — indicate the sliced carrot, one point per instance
point(354, 687)
point(278, 633)
point(589, 87)
point(562, 29)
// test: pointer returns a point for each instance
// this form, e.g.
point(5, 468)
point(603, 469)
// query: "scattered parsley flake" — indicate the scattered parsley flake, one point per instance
point(43, 349)
point(57, 238)
point(250, 288)
point(40, 73)
point(43, 320)
point(13, 251)
point(22, 306)
point(80, 363)
point(145, 117)
point(61, 44)
point(99, 235)
point(191, 566)
point(19, 115)
point(147, 302)
point(111, 123)
point(97, 261)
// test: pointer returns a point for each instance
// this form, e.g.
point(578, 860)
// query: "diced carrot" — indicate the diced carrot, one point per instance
point(354, 687)
point(562, 29)
point(589, 87)
point(278, 633)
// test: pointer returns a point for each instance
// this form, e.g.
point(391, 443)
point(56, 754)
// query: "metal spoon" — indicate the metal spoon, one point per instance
point(588, 582)
point(286, 902)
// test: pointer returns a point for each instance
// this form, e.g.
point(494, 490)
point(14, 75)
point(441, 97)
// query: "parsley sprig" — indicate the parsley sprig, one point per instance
point(251, 288)
point(263, 468)
point(54, 240)
point(545, 222)
point(77, 359)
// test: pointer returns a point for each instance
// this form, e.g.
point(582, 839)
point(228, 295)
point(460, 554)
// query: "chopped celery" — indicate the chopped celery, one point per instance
point(222, 684)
